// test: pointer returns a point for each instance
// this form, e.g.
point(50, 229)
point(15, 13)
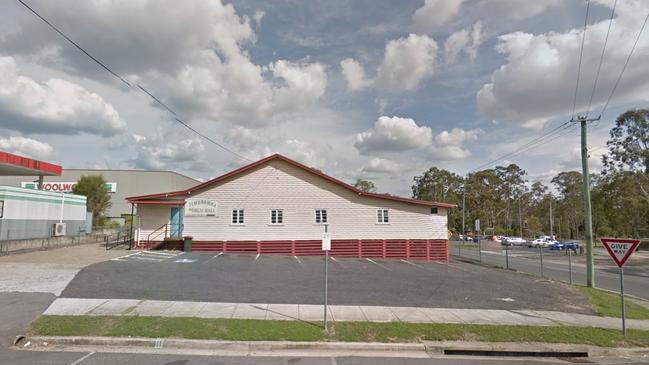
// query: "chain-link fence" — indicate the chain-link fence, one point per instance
point(567, 265)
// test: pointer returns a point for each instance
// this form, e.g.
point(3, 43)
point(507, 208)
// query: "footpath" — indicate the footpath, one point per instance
point(308, 312)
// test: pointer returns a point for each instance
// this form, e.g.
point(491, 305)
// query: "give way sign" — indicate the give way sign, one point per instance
point(620, 249)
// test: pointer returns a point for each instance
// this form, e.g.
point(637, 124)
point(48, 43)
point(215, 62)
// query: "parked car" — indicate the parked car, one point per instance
point(540, 242)
point(557, 245)
point(514, 241)
point(574, 246)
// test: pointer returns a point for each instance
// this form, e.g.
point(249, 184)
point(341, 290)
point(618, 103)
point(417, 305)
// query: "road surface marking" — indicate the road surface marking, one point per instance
point(83, 358)
point(376, 263)
point(298, 260)
point(212, 258)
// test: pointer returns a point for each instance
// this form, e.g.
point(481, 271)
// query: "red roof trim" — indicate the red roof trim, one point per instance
point(296, 164)
point(158, 202)
point(11, 159)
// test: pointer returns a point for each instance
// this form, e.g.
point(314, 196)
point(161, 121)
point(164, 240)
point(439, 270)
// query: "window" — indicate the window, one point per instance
point(237, 216)
point(276, 216)
point(382, 216)
point(2, 208)
point(433, 210)
point(321, 216)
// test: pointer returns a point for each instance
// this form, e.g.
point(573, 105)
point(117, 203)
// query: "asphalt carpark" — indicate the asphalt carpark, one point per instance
point(218, 277)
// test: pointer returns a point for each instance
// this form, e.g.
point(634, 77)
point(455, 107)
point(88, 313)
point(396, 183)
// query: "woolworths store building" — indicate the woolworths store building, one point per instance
point(121, 184)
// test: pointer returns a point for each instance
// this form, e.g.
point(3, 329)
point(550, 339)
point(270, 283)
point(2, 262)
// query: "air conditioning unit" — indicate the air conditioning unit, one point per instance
point(59, 229)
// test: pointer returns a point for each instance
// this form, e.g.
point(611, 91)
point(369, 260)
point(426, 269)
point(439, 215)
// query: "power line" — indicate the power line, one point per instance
point(141, 88)
point(581, 54)
point(617, 82)
point(525, 146)
point(601, 59)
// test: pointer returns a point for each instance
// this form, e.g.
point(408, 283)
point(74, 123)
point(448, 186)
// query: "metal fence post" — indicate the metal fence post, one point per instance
point(541, 256)
point(480, 249)
point(570, 266)
point(507, 257)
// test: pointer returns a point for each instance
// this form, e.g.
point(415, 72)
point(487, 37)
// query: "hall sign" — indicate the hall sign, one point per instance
point(64, 187)
point(201, 208)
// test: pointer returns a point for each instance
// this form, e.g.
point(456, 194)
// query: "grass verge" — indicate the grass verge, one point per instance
point(260, 330)
point(608, 305)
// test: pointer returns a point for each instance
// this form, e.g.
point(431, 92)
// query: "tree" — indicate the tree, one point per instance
point(571, 210)
point(441, 186)
point(98, 200)
point(628, 147)
point(365, 185)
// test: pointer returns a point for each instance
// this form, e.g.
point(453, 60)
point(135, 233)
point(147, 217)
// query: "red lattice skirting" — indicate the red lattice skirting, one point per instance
point(409, 249)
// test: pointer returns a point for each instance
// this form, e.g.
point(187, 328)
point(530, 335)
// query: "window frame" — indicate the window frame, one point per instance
point(382, 216)
point(240, 217)
point(319, 216)
point(279, 217)
point(434, 210)
point(2, 208)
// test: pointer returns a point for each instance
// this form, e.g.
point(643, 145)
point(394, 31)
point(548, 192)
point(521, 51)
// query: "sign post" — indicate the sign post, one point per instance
point(326, 246)
point(620, 250)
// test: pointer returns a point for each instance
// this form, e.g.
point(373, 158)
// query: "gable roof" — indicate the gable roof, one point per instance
point(150, 198)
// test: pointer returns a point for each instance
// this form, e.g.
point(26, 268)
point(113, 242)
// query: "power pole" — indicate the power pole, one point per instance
point(551, 221)
point(463, 206)
point(520, 219)
point(588, 229)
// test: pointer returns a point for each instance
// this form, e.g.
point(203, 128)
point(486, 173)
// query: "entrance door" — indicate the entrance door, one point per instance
point(176, 222)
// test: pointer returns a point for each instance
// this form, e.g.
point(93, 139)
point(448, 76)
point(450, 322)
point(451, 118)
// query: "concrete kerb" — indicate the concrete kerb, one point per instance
point(421, 349)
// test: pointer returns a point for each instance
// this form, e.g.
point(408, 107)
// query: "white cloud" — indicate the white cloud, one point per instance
point(164, 152)
point(406, 62)
point(466, 41)
point(435, 13)
point(537, 82)
point(354, 74)
point(304, 153)
point(393, 134)
point(55, 106)
point(450, 145)
point(26, 147)
point(305, 84)
point(378, 165)
point(194, 57)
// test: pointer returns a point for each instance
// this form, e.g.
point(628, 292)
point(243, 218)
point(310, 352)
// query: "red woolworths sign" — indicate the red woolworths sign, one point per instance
point(620, 249)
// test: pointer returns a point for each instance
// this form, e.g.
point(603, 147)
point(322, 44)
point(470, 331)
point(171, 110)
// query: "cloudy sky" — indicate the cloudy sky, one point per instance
point(372, 89)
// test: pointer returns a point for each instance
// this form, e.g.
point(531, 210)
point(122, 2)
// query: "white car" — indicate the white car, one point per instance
point(515, 241)
point(541, 242)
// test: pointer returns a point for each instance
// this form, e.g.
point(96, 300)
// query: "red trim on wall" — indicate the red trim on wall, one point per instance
point(139, 199)
point(411, 249)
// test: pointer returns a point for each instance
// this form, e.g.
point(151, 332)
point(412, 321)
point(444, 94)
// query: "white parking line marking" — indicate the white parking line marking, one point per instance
point(83, 358)
point(163, 253)
point(212, 258)
point(376, 263)
point(413, 264)
point(333, 258)
point(257, 257)
point(298, 260)
point(125, 256)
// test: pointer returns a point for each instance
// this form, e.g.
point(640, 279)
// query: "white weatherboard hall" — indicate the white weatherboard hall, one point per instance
point(279, 206)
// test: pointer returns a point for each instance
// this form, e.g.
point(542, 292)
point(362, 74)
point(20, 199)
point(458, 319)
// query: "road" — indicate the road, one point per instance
point(556, 266)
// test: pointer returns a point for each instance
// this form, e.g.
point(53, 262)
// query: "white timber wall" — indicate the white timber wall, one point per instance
point(152, 217)
point(279, 185)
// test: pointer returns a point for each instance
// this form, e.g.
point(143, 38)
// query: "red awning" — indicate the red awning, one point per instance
point(14, 165)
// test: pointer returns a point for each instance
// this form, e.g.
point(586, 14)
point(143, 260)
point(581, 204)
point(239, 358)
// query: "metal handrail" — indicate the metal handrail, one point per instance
point(165, 226)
